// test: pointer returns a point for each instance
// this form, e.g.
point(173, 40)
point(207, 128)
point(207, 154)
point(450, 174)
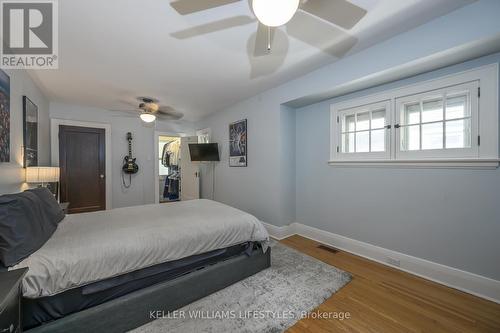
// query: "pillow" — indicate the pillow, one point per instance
point(24, 226)
point(49, 204)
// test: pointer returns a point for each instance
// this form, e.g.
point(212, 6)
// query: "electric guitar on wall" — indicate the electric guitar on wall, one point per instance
point(129, 164)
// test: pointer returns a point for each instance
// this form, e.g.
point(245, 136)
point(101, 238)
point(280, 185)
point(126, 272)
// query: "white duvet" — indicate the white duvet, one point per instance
point(90, 247)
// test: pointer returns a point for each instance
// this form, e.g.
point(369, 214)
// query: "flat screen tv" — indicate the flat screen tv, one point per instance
point(204, 152)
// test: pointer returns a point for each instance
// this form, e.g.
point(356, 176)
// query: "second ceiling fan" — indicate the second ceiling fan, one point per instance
point(274, 13)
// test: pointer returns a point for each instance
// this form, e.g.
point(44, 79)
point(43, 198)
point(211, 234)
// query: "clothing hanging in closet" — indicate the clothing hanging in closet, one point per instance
point(170, 155)
point(170, 159)
point(171, 190)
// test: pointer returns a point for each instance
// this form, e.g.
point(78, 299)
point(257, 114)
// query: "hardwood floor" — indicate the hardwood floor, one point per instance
point(383, 299)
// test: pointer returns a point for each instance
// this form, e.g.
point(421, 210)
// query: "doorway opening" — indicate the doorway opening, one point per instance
point(176, 177)
point(169, 174)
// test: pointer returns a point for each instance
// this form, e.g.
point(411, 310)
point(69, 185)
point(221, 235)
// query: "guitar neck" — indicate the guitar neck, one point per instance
point(130, 148)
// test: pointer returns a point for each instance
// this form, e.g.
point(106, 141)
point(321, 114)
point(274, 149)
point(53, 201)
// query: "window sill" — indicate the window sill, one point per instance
point(421, 164)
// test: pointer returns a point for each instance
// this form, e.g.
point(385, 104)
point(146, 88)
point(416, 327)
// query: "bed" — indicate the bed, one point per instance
point(106, 271)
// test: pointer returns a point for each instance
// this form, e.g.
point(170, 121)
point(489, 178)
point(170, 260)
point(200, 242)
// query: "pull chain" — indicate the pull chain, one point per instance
point(268, 39)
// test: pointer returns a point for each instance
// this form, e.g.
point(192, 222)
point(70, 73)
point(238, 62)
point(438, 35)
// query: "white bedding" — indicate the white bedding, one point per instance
point(90, 247)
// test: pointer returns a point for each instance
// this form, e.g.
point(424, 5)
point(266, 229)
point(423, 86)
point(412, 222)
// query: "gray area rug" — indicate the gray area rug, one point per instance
point(270, 301)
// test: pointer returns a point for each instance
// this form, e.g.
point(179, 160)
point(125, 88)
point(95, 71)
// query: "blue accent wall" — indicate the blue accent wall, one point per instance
point(451, 217)
point(447, 216)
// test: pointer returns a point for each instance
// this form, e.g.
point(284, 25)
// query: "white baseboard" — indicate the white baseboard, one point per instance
point(471, 283)
point(278, 233)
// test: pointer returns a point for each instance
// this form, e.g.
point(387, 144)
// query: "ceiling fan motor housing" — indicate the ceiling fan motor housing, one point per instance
point(147, 100)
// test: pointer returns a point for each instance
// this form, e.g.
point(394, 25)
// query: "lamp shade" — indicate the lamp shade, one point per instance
point(147, 117)
point(42, 174)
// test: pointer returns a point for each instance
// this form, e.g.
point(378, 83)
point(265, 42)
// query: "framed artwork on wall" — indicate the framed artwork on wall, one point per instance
point(238, 144)
point(4, 117)
point(30, 132)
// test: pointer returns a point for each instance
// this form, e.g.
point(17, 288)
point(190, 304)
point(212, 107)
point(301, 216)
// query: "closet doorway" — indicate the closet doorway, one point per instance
point(169, 176)
point(176, 178)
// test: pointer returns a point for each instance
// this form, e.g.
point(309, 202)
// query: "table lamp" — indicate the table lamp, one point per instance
point(43, 176)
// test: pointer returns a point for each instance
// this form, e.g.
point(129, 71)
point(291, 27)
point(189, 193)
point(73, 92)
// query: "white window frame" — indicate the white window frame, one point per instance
point(360, 109)
point(484, 150)
point(204, 134)
point(473, 101)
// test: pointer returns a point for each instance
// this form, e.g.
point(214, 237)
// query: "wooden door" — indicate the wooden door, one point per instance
point(82, 163)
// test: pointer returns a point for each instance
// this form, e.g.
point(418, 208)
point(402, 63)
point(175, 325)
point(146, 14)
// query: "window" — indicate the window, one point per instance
point(204, 135)
point(439, 121)
point(364, 131)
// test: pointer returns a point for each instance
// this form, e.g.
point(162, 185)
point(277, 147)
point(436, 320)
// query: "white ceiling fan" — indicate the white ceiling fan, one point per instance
point(275, 13)
point(149, 110)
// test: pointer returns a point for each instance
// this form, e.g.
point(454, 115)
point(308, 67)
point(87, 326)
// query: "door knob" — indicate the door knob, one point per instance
point(101, 176)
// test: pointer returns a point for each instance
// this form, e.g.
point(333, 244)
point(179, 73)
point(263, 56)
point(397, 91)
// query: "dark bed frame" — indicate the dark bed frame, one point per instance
point(134, 309)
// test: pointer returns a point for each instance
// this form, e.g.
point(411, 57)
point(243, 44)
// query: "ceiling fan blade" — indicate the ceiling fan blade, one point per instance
point(263, 40)
point(163, 116)
point(168, 112)
point(185, 7)
point(213, 27)
point(339, 12)
point(125, 116)
point(320, 35)
point(147, 99)
point(126, 113)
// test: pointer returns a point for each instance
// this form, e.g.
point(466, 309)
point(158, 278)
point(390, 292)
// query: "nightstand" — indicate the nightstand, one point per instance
point(10, 300)
point(64, 206)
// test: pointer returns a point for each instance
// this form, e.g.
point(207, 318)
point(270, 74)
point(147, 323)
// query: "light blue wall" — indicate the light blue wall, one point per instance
point(259, 189)
point(142, 190)
point(448, 216)
point(256, 188)
point(12, 174)
point(288, 165)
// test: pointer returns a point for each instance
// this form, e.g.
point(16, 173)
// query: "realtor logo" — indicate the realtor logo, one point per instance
point(29, 34)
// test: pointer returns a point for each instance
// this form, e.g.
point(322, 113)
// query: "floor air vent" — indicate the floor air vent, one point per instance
point(327, 248)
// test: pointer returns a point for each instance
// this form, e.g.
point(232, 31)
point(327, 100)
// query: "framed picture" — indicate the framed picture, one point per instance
point(30, 132)
point(4, 117)
point(238, 144)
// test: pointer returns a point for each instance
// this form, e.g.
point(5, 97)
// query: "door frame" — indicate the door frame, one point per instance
point(54, 148)
point(186, 166)
point(156, 175)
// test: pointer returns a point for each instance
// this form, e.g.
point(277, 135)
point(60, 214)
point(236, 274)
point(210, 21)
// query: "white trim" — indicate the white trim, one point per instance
point(376, 106)
point(471, 283)
point(470, 90)
point(54, 148)
point(488, 116)
point(428, 164)
point(278, 233)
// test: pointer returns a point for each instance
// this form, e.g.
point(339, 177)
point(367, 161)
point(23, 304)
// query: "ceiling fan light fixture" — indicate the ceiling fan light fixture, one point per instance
point(275, 13)
point(147, 117)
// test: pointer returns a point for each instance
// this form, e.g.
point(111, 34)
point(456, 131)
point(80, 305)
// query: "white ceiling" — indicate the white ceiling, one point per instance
point(112, 51)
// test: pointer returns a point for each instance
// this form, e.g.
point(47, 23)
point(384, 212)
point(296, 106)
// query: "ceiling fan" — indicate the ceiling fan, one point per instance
point(275, 13)
point(149, 110)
